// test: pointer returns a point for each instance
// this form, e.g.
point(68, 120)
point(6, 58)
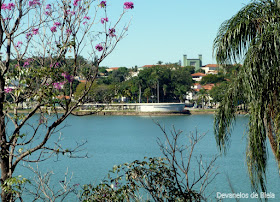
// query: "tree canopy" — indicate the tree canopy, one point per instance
point(171, 82)
point(212, 78)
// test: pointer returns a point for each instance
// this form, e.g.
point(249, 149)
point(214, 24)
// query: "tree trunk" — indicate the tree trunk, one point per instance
point(139, 93)
point(158, 92)
point(5, 174)
point(4, 153)
point(273, 142)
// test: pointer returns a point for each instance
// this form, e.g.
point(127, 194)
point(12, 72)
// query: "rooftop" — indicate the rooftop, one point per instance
point(208, 86)
point(198, 74)
point(212, 65)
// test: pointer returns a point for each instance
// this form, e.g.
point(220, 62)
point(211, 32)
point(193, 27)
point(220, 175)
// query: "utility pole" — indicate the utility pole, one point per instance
point(139, 93)
point(158, 91)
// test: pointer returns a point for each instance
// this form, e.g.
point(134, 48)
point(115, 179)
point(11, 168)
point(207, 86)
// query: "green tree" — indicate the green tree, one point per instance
point(218, 92)
point(147, 93)
point(211, 78)
point(202, 97)
point(98, 93)
point(253, 35)
point(119, 75)
point(169, 81)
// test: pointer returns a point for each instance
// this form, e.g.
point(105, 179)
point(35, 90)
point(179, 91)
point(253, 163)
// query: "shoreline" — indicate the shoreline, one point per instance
point(130, 113)
point(134, 113)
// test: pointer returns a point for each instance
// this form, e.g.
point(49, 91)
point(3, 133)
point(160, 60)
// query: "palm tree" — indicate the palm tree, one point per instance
point(147, 93)
point(252, 37)
point(202, 97)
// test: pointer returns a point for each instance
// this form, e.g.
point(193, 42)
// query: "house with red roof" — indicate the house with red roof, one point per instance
point(197, 76)
point(211, 68)
point(208, 86)
point(112, 69)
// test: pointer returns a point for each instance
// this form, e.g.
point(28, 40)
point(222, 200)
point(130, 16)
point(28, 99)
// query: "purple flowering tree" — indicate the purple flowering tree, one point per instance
point(37, 38)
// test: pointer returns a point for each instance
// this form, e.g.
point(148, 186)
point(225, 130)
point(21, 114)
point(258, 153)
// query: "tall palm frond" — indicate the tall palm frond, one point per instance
point(252, 36)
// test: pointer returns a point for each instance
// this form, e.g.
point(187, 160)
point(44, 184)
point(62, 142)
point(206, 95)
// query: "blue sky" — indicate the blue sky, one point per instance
point(165, 30)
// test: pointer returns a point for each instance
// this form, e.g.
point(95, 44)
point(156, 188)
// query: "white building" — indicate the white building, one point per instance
point(211, 68)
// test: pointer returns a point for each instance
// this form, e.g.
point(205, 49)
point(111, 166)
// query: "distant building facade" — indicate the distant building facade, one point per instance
point(211, 68)
point(197, 63)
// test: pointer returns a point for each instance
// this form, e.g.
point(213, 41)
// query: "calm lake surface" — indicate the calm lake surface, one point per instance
point(113, 140)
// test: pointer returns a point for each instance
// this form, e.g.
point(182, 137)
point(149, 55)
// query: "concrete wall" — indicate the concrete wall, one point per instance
point(161, 107)
point(140, 107)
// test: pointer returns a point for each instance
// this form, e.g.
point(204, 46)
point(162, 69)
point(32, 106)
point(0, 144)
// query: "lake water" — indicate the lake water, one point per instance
point(114, 140)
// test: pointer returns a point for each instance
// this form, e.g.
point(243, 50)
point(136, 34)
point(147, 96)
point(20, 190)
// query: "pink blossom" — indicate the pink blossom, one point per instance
point(104, 20)
point(3, 7)
point(49, 6)
point(57, 24)
point(68, 31)
point(73, 12)
point(28, 36)
point(76, 2)
point(55, 65)
point(67, 12)
point(53, 29)
point(84, 22)
point(26, 64)
point(102, 4)
point(7, 90)
point(112, 32)
point(48, 13)
point(87, 18)
point(67, 76)
point(6, 18)
point(128, 5)
point(58, 85)
point(35, 31)
point(34, 3)
point(18, 44)
point(10, 6)
point(99, 47)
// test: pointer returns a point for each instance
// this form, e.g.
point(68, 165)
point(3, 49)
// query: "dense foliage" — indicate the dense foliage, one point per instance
point(165, 83)
point(212, 78)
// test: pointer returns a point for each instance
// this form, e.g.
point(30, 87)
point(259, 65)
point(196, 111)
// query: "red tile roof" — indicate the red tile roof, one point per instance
point(114, 68)
point(208, 86)
point(211, 65)
point(198, 74)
